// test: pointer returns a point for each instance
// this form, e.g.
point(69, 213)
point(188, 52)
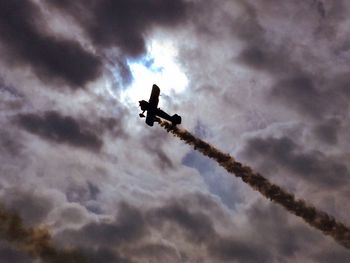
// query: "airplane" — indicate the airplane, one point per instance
point(153, 113)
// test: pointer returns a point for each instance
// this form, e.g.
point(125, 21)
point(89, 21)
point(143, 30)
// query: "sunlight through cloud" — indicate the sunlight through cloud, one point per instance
point(159, 67)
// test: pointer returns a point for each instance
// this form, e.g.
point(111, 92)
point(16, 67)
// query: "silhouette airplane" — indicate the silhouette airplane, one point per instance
point(154, 113)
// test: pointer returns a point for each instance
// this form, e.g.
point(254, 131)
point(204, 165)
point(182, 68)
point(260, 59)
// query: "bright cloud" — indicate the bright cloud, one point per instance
point(159, 67)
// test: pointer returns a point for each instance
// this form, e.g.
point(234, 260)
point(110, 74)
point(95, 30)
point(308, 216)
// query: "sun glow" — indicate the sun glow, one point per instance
point(159, 67)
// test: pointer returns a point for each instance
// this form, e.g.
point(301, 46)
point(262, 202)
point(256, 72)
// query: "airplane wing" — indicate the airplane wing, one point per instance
point(154, 99)
point(150, 118)
point(153, 103)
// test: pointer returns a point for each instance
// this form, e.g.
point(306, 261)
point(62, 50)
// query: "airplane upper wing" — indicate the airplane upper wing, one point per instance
point(154, 99)
point(153, 103)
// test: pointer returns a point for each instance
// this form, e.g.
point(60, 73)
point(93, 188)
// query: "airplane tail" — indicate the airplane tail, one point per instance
point(176, 119)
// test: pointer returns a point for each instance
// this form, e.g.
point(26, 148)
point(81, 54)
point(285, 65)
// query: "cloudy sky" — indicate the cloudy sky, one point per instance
point(266, 81)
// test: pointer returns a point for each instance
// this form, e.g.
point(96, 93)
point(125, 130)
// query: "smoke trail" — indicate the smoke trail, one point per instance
point(316, 218)
point(34, 241)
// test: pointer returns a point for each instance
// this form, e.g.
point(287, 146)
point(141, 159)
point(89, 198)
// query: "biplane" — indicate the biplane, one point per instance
point(155, 114)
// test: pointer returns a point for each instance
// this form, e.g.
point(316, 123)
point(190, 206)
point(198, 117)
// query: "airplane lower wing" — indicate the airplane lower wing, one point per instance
point(150, 118)
point(152, 105)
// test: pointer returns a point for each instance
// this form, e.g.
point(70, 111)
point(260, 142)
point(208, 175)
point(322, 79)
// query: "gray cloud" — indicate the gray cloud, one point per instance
point(153, 143)
point(218, 183)
point(51, 58)
point(298, 83)
point(130, 236)
point(11, 98)
point(336, 256)
point(123, 23)
point(128, 227)
point(234, 250)
point(104, 256)
point(327, 132)
point(158, 251)
point(9, 254)
point(268, 225)
point(132, 228)
point(9, 144)
point(198, 226)
point(313, 166)
point(301, 94)
point(82, 193)
point(61, 129)
point(276, 72)
point(33, 214)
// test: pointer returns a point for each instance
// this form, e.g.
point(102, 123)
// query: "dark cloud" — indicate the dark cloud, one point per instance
point(234, 250)
point(262, 55)
point(261, 51)
point(129, 226)
point(313, 166)
point(130, 233)
point(9, 254)
point(9, 144)
point(297, 47)
point(22, 34)
point(274, 228)
point(284, 234)
point(321, 9)
point(61, 129)
point(198, 226)
point(301, 94)
point(341, 83)
point(114, 125)
point(119, 28)
point(301, 82)
point(32, 207)
point(158, 251)
point(335, 256)
point(327, 132)
point(104, 256)
point(123, 23)
point(293, 86)
point(312, 96)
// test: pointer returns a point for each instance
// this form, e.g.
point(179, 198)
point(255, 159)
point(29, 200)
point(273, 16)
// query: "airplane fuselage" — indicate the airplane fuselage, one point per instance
point(154, 111)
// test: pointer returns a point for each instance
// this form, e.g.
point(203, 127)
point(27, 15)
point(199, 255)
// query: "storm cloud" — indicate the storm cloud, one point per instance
point(311, 166)
point(132, 226)
point(123, 24)
point(54, 127)
point(53, 59)
point(268, 82)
